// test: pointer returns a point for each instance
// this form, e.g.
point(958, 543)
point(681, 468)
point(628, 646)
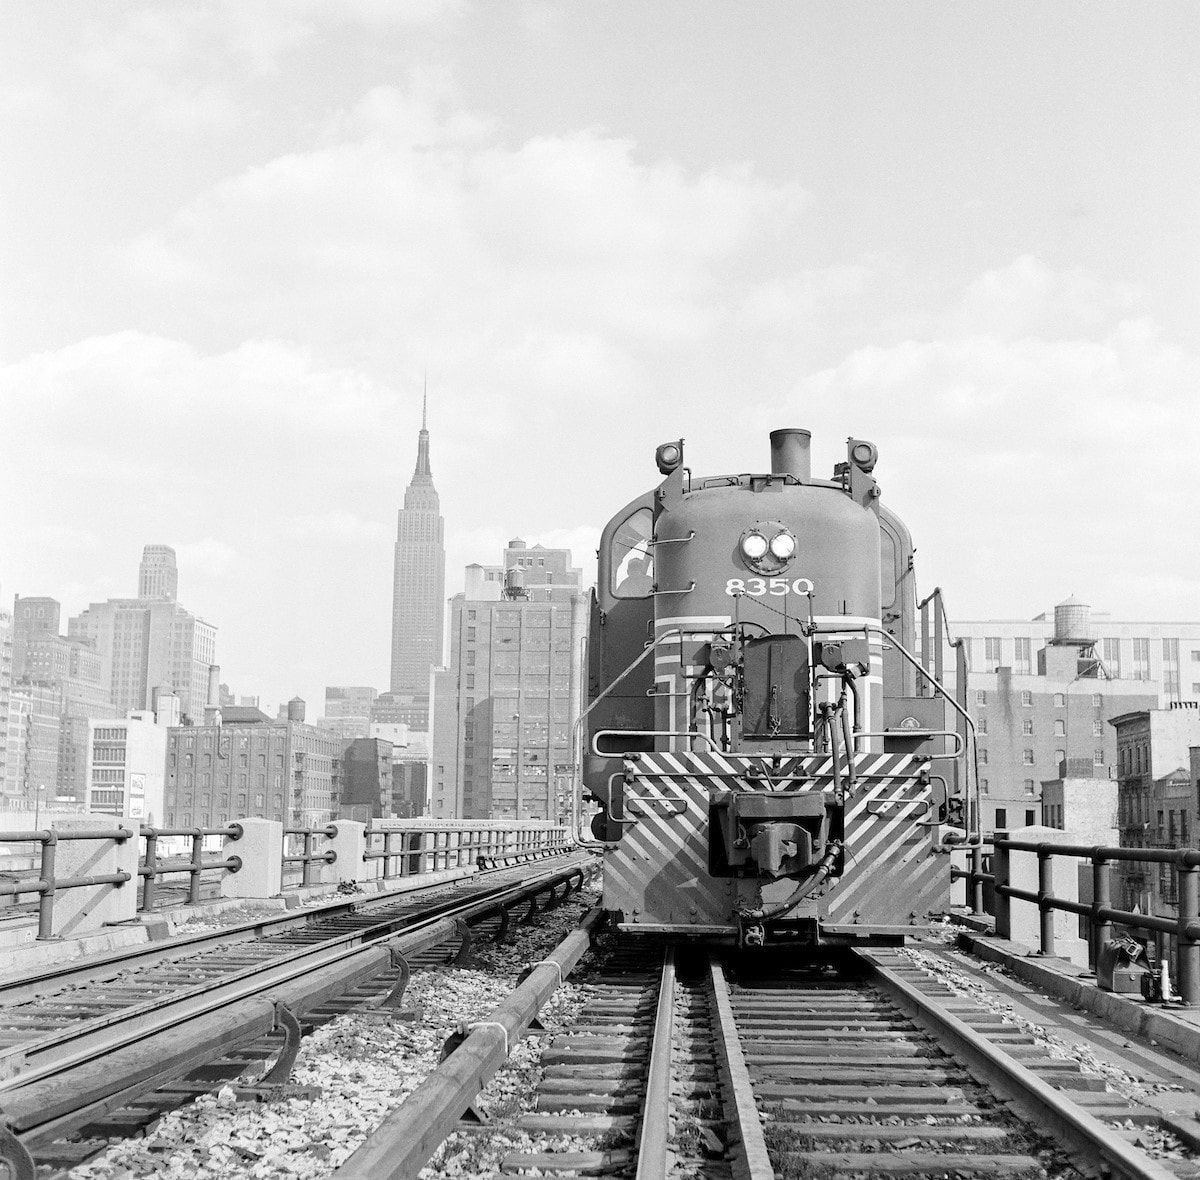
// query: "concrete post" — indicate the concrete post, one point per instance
point(261, 851)
point(82, 911)
point(350, 843)
point(959, 886)
point(1025, 920)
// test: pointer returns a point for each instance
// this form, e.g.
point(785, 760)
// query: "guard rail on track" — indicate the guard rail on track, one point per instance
point(1180, 931)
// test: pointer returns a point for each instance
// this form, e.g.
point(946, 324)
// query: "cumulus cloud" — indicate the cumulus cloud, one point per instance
point(1028, 451)
point(419, 227)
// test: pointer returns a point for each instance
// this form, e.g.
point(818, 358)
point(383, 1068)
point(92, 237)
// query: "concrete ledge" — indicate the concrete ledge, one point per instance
point(45, 954)
point(1178, 1029)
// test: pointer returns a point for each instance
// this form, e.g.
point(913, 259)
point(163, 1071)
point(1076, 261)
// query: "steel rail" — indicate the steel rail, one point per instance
point(751, 1160)
point(104, 1035)
point(408, 1137)
point(655, 1130)
point(241, 981)
point(1050, 1111)
point(58, 1105)
point(17, 990)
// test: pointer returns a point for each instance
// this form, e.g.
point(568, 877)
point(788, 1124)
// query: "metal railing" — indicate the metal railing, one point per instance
point(46, 885)
point(1182, 932)
point(152, 868)
point(308, 858)
point(408, 847)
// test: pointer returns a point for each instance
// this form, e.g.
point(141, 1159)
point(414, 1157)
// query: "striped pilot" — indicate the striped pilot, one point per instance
point(770, 759)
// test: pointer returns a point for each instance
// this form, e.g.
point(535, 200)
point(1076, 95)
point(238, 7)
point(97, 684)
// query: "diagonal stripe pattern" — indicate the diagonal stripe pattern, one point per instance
point(659, 872)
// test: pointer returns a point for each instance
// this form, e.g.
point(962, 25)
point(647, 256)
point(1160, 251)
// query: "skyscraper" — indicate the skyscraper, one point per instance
point(158, 576)
point(150, 642)
point(419, 582)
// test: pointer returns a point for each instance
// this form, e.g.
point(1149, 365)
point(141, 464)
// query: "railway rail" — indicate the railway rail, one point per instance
point(682, 1063)
point(73, 1055)
point(869, 1068)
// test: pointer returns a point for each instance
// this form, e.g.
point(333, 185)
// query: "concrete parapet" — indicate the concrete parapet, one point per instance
point(260, 849)
point(350, 843)
point(86, 910)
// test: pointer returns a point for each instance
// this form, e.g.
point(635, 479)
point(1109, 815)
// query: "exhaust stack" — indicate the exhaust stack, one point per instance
point(790, 453)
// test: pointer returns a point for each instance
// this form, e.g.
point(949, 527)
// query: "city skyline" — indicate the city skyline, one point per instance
point(963, 232)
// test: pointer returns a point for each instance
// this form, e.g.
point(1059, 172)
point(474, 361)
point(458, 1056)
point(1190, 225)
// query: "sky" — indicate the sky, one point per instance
point(240, 238)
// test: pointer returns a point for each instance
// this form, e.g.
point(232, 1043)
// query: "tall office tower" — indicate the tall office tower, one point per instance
point(149, 644)
point(5, 686)
point(505, 708)
point(158, 577)
point(419, 583)
point(32, 619)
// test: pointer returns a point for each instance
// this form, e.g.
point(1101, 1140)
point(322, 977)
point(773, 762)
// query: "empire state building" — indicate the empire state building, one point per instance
point(419, 582)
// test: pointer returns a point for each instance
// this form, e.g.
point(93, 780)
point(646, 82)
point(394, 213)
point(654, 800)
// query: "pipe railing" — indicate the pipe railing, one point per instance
point(408, 847)
point(46, 885)
point(308, 859)
point(1182, 930)
point(152, 868)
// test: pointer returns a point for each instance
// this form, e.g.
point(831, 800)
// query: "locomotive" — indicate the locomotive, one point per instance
point(771, 762)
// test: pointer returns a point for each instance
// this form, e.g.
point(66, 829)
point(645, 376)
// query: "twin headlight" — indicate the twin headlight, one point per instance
point(768, 547)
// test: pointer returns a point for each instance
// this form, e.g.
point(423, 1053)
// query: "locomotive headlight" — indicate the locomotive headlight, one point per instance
point(754, 545)
point(767, 547)
point(783, 546)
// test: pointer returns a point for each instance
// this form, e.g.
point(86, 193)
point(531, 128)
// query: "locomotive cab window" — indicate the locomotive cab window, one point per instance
point(631, 560)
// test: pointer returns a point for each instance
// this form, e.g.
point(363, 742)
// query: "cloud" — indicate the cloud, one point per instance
point(1025, 462)
point(336, 527)
point(1028, 298)
point(209, 557)
point(418, 228)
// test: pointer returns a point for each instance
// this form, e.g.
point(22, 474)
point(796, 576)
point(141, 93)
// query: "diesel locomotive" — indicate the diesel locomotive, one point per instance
point(770, 760)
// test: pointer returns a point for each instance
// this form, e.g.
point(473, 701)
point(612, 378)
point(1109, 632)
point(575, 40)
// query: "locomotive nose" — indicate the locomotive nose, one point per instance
point(790, 454)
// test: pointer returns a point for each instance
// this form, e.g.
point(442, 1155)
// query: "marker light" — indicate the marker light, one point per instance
point(783, 545)
point(754, 545)
point(668, 457)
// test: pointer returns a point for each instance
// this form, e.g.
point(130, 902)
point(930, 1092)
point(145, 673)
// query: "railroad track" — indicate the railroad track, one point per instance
point(681, 1064)
point(870, 1068)
point(75, 1058)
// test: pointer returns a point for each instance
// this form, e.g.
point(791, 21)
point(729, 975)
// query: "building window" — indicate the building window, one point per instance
point(1097, 729)
point(1097, 700)
point(981, 696)
point(1170, 651)
point(1028, 786)
point(1060, 728)
point(1027, 757)
point(1111, 654)
point(1001, 817)
point(1060, 756)
point(1098, 757)
point(991, 654)
point(983, 786)
point(1060, 700)
point(1026, 697)
point(1030, 818)
point(981, 725)
point(1027, 727)
point(1022, 661)
point(983, 757)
